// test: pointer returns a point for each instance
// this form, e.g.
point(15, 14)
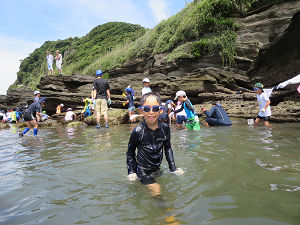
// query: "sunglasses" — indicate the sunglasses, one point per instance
point(147, 108)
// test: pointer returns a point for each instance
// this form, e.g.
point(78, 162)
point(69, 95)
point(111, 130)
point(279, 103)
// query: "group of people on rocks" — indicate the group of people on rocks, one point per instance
point(58, 62)
point(151, 137)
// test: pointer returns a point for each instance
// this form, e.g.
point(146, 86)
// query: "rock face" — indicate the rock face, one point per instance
point(267, 50)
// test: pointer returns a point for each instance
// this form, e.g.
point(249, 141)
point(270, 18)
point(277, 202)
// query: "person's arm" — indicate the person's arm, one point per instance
point(108, 94)
point(131, 157)
point(179, 110)
point(169, 152)
point(210, 113)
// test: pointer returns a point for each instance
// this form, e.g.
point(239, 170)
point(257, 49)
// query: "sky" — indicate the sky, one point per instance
point(26, 24)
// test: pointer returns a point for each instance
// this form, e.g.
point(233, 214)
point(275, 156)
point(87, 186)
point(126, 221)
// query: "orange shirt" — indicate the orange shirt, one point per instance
point(58, 109)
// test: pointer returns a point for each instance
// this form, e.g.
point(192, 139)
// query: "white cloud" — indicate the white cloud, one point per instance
point(160, 9)
point(12, 50)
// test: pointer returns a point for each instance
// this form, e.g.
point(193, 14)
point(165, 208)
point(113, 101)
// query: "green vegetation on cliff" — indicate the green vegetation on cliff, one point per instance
point(77, 52)
point(202, 28)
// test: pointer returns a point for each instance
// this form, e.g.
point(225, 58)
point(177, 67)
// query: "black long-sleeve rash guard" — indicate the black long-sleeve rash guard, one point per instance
point(150, 144)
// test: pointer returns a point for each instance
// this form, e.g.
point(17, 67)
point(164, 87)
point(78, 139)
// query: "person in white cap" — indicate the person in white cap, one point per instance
point(146, 86)
point(70, 115)
point(37, 96)
point(192, 122)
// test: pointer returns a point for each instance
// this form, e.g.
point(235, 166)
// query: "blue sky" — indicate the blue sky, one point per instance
point(27, 24)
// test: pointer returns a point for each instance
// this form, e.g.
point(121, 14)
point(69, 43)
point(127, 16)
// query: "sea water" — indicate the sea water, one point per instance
point(234, 175)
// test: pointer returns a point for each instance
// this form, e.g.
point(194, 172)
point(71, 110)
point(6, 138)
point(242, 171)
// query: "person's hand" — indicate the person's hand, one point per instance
point(132, 177)
point(82, 111)
point(109, 101)
point(263, 110)
point(203, 109)
point(178, 172)
point(171, 114)
point(123, 95)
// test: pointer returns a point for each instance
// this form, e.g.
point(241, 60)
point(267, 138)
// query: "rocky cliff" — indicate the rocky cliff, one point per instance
point(268, 50)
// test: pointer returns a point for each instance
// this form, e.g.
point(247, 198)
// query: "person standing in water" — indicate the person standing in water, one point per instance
point(49, 58)
point(263, 104)
point(35, 109)
point(101, 93)
point(192, 122)
point(150, 137)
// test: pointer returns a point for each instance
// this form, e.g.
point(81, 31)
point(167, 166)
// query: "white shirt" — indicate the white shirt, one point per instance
point(262, 100)
point(49, 59)
point(4, 117)
point(146, 90)
point(182, 113)
point(69, 115)
point(59, 60)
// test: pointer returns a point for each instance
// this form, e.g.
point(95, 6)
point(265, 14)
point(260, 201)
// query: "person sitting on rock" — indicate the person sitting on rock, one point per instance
point(216, 116)
point(59, 108)
point(70, 115)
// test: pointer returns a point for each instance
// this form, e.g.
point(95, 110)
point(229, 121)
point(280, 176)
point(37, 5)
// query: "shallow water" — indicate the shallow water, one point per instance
point(234, 175)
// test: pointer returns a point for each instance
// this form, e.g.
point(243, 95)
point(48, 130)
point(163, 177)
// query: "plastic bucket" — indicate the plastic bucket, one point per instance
point(250, 121)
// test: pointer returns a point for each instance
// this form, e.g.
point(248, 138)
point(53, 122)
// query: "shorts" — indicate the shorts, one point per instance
point(180, 119)
point(50, 67)
point(58, 66)
point(28, 116)
point(131, 109)
point(264, 118)
point(192, 124)
point(101, 106)
point(148, 176)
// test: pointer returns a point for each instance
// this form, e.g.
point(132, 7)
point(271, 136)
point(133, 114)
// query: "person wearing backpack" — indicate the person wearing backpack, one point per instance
point(130, 102)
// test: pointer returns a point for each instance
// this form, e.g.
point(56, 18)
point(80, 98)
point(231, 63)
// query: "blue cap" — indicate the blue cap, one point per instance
point(128, 90)
point(99, 73)
point(42, 99)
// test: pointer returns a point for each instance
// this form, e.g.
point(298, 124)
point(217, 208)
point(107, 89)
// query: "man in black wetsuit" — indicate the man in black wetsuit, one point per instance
point(150, 137)
point(34, 110)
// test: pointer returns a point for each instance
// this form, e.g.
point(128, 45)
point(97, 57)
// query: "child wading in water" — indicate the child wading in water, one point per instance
point(263, 104)
point(150, 137)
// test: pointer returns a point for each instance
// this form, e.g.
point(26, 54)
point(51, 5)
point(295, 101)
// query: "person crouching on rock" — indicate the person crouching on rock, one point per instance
point(35, 109)
point(70, 115)
point(216, 116)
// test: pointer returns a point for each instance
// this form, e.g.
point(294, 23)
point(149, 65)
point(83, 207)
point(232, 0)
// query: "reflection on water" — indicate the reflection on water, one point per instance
point(233, 175)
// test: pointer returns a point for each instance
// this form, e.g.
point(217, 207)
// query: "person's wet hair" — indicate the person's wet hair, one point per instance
point(145, 96)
